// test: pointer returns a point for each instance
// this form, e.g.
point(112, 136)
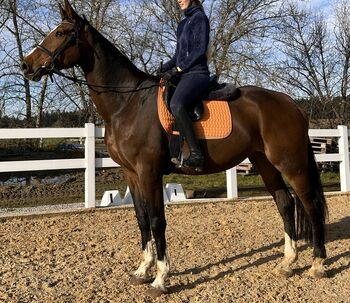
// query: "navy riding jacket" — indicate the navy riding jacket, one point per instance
point(192, 42)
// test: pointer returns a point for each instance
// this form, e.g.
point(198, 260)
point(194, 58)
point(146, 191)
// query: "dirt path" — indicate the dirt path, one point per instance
point(222, 252)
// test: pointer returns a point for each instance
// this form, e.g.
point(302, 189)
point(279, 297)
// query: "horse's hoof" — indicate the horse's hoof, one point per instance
point(134, 280)
point(317, 273)
point(156, 292)
point(283, 271)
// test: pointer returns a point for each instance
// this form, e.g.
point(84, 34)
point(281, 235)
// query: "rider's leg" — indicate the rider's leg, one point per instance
point(189, 89)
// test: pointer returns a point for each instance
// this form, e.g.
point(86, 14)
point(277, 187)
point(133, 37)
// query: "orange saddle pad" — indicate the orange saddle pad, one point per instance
point(216, 122)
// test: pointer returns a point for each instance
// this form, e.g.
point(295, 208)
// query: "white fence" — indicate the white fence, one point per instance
point(90, 163)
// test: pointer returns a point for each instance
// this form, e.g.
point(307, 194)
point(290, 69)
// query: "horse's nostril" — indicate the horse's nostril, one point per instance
point(24, 66)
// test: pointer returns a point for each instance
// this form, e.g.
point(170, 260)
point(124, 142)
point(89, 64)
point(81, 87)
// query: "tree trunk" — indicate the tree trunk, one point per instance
point(16, 32)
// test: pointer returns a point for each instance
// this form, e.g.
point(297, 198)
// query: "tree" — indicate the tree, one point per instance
point(16, 32)
point(260, 42)
point(305, 65)
point(342, 36)
point(15, 88)
point(240, 37)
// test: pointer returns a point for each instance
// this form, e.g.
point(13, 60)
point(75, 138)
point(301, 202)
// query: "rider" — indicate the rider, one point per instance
point(189, 68)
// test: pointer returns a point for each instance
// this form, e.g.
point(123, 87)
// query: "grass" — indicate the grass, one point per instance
point(208, 186)
point(248, 185)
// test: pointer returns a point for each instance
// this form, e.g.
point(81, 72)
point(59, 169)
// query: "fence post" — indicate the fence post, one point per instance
point(231, 183)
point(90, 165)
point(344, 169)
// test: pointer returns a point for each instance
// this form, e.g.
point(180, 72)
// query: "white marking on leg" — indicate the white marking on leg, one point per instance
point(290, 249)
point(163, 269)
point(290, 255)
point(290, 246)
point(146, 262)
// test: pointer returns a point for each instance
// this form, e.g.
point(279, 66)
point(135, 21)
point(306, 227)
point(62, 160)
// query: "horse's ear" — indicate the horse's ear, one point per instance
point(69, 11)
point(62, 12)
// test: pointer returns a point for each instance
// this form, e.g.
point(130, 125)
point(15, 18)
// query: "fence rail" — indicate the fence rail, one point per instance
point(90, 163)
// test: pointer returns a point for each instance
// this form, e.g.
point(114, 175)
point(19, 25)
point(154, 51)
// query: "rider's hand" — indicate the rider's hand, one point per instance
point(170, 74)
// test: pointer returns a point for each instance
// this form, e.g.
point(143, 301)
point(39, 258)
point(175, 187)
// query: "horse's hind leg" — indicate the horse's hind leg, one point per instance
point(302, 173)
point(315, 209)
point(285, 204)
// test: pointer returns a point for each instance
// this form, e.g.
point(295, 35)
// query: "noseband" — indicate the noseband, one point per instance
point(53, 55)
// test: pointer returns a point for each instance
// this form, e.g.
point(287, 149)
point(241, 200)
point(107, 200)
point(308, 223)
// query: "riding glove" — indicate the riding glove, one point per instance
point(170, 74)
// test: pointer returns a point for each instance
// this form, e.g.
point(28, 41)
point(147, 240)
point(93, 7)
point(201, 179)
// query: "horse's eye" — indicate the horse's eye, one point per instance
point(59, 34)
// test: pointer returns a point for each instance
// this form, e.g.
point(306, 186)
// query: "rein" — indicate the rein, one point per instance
point(108, 88)
point(50, 68)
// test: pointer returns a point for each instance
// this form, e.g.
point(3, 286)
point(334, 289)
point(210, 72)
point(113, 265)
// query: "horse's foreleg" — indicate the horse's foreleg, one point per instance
point(141, 275)
point(285, 204)
point(151, 218)
point(158, 225)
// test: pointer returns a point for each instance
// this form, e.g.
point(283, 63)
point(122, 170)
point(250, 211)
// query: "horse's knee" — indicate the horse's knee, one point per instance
point(142, 221)
point(158, 224)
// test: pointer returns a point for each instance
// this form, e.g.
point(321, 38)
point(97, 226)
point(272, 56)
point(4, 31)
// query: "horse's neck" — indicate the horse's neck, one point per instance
point(112, 69)
point(110, 73)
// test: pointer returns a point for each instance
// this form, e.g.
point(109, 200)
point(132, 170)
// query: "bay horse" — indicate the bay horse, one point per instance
point(269, 129)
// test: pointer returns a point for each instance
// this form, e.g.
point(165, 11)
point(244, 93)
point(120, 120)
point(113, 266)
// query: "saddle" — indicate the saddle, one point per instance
point(211, 116)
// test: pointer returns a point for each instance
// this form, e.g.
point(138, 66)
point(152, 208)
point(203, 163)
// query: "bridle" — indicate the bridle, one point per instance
point(50, 68)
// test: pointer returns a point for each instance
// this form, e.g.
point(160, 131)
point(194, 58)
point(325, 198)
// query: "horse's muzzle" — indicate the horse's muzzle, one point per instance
point(30, 74)
point(24, 67)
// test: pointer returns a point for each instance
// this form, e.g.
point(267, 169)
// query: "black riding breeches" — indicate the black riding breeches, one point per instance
point(189, 90)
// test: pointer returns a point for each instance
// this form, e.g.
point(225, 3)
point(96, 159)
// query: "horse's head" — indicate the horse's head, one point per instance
point(60, 49)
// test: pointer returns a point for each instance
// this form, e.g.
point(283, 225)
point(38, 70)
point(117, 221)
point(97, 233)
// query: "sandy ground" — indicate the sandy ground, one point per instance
point(219, 252)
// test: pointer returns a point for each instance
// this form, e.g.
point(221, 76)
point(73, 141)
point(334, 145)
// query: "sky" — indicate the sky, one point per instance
point(323, 4)
point(325, 7)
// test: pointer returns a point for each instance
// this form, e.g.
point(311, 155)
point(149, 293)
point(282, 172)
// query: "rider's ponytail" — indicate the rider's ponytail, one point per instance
point(197, 2)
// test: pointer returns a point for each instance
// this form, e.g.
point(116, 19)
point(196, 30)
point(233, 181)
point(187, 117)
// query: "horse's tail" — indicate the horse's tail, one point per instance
point(304, 227)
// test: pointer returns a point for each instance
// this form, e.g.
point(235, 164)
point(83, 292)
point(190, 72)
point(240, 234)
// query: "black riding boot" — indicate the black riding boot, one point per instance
point(195, 160)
